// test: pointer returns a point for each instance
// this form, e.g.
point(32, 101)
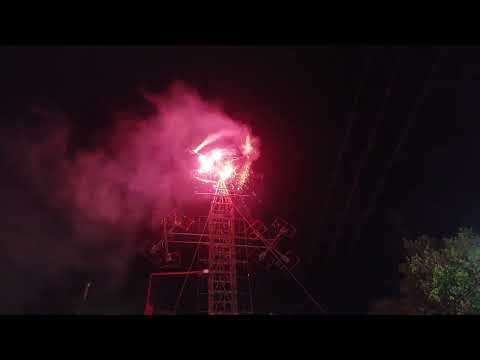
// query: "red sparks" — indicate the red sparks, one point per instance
point(216, 164)
point(224, 163)
point(247, 147)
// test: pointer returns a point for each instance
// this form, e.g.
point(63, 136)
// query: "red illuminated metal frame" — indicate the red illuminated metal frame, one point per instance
point(222, 258)
point(234, 236)
point(148, 305)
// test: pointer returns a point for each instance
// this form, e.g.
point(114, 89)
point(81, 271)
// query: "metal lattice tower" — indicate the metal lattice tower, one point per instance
point(227, 241)
point(222, 266)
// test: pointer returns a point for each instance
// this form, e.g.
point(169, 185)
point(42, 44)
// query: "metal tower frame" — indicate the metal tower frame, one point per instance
point(232, 239)
point(222, 258)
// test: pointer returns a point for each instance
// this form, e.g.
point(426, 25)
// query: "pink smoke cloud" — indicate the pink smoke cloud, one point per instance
point(143, 164)
point(108, 191)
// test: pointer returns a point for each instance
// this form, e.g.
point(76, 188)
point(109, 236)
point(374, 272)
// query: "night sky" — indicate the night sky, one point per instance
point(299, 101)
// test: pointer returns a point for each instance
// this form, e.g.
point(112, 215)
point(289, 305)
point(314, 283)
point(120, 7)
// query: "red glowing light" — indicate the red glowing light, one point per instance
point(247, 147)
point(227, 171)
point(215, 164)
point(226, 164)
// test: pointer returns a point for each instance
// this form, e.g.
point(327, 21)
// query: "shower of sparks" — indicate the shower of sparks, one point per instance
point(231, 165)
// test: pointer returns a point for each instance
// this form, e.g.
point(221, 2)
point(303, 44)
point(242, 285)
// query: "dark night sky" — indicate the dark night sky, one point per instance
point(298, 101)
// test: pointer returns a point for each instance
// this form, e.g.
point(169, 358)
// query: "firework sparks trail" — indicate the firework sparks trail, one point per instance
point(232, 164)
point(212, 138)
point(247, 147)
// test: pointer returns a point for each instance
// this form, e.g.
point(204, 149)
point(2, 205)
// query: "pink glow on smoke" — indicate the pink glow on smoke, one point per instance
point(145, 164)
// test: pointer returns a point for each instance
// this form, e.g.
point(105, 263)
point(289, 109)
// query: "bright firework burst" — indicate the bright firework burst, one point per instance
point(228, 164)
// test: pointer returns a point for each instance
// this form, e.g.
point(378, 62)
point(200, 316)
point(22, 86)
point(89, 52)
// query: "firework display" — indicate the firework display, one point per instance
point(229, 239)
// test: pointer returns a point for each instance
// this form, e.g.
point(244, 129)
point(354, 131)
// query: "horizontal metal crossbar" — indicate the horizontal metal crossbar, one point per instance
point(208, 243)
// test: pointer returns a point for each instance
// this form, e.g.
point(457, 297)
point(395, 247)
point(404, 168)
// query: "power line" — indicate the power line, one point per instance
point(370, 143)
point(309, 295)
point(177, 303)
point(179, 297)
point(401, 142)
point(346, 137)
point(284, 267)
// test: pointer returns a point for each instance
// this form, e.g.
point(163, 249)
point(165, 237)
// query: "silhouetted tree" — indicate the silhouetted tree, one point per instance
point(442, 276)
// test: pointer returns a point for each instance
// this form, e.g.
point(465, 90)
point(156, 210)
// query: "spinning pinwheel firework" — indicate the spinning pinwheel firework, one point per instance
point(229, 239)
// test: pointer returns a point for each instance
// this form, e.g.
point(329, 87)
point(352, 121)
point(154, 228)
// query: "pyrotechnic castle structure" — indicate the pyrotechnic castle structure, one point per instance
point(227, 241)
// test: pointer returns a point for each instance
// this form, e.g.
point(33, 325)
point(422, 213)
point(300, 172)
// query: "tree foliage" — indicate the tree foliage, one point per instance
point(443, 277)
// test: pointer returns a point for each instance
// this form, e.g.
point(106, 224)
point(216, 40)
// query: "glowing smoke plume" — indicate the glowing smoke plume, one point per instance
point(224, 163)
point(145, 163)
point(144, 166)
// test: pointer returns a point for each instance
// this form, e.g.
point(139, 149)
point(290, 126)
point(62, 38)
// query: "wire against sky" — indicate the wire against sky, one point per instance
point(346, 138)
point(368, 149)
point(403, 137)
